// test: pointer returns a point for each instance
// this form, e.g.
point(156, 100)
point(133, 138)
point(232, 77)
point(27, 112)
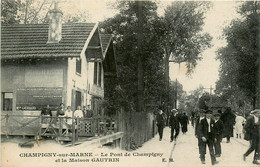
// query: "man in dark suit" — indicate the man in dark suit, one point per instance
point(174, 123)
point(160, 121)
point(207, 133)
point(198, 134)
point(184, 123)
point(252, 130)
point(218, 130)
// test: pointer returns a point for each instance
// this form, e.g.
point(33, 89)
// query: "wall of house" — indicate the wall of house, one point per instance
point(83, 82)
point(34, 83)
point(77, 82)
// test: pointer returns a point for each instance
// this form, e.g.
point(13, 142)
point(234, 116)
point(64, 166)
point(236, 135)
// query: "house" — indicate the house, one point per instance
point(54, 63)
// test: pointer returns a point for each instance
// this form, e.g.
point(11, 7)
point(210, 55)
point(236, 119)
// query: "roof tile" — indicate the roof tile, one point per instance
point(30, 41)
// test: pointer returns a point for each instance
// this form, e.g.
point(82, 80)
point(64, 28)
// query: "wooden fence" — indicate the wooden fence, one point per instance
point(56, 127)
point(137, 127)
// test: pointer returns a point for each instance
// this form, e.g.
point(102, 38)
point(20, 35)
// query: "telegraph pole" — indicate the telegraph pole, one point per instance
point(176, 95)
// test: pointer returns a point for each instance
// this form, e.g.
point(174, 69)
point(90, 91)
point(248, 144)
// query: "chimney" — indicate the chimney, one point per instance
point(55, 25)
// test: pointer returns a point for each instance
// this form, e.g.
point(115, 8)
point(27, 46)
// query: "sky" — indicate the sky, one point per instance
point(206, 72)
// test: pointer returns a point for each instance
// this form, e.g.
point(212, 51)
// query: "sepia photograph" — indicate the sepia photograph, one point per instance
point(130, 83)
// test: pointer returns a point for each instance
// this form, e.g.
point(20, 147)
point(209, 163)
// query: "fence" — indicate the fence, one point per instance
point(60, 128)
point(137, 127)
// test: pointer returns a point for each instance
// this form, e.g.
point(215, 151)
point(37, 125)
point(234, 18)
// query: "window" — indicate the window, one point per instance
point(95, 73)
point(78, 66)
point(78, 99)
point(99, 74)
point(7, 101)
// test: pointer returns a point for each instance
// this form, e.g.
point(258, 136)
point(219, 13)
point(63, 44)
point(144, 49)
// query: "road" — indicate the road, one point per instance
point(185, 152)
point(154, 153)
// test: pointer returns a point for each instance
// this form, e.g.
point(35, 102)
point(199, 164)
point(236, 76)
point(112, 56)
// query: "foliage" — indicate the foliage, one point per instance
point(124, 27)
point(36, 12)
point(239, 64)
point(173, 95)
point(192, 99)
point(183, 39)
point(9, 10)
point(204, 100)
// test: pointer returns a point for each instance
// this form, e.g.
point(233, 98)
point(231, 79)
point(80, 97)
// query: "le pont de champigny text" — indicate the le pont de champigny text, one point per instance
point(75, 157)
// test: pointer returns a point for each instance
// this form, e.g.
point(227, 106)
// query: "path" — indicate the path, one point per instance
point(186, 152)
point(153, 153)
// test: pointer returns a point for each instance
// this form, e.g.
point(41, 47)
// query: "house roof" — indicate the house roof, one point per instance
point(30, 41)
point(105, 41)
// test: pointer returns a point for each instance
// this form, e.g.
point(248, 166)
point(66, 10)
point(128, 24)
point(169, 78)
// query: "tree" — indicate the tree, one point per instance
point(182, 39)
point(36, 12)
point(239, 68)
point(124, 27)
point(203, 101)
point(9, 10)
point(176, 92)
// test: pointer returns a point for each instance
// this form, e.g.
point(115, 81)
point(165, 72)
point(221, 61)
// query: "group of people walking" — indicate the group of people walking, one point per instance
point(212, 127)
point(176, 120)
point(209, 130)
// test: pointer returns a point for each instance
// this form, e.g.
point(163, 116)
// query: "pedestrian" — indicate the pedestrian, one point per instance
point(160, 121)
point(184, 123)
point(218, 130)
point(78, 113)
point(252, 131)
point(207, 133)
point(174, 124)
point(239, 125)
point(228, 119)
point(198, 134)
point(193, 119)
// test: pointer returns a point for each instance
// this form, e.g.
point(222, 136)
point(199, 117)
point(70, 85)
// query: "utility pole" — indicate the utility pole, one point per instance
point(210, 92)
point(176, 95)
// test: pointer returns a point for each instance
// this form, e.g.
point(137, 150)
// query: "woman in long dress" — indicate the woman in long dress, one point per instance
point(239, 125)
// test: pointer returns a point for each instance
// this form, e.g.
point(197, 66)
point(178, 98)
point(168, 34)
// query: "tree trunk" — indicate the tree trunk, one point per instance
point(167, 77)
point(140, 97)
point(26, 12)
point(258, 87)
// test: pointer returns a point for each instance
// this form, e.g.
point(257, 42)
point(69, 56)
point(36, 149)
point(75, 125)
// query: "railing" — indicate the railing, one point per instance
point(58, 128)
point(20, 124)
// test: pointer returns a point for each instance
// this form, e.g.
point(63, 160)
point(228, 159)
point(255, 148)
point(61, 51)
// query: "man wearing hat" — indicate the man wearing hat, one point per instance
point(174, 123)
point(252, 129)
point(198, 134)
point(207, 133)
point(160, 121)
point(218, 130)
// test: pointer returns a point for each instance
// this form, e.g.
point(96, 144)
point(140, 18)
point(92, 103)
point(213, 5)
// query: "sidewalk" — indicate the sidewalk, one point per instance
point(154, 153)
point(186, 151)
